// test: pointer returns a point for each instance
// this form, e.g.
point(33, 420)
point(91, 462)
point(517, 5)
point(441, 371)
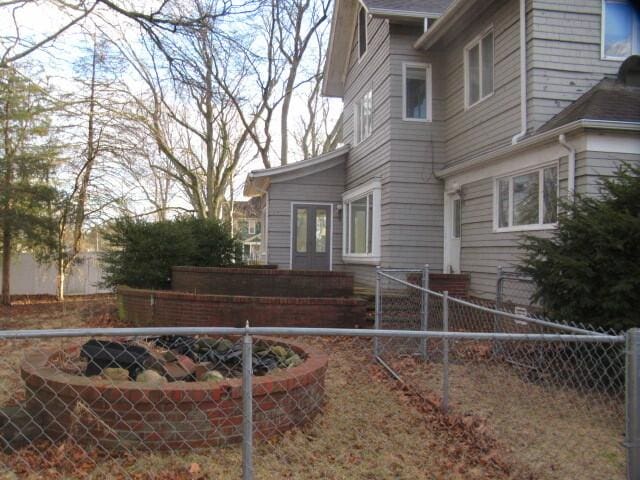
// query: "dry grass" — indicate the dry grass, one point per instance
point(370, 429)
point(557, 434)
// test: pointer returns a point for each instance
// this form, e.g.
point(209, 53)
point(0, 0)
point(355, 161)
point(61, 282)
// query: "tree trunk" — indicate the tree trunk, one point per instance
point(6, 264)
point(60, 282)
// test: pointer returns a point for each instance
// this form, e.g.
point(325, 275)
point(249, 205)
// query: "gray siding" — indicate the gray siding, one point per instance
point(563, 55)
point(322, 187)
point(402, 154)
point(491, 123)
point(483, 250)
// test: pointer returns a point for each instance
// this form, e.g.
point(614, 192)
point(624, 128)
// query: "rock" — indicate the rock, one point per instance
point(224, 345)
point(150, 376)
point(116, 374)
point(202, 369)
point(293, 361)
point(280, 352)
point(169, 356)
point(212, 376)
point(206, 344)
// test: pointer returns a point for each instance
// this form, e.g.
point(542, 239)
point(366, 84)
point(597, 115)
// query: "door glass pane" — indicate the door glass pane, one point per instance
point(358, 226)
point(474, 74)
point(321, 231)
point(503, 203)
point(487, 65)
point(416, 92)
point(525, 199)
point(550, 195)
point(457, 217)
point(618, 29)
point(301, 230)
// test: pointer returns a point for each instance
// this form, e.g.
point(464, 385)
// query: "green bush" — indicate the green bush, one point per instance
point(141, 253)
point(589, 270)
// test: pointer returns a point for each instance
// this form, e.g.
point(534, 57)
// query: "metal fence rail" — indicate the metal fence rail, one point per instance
point(313, 403)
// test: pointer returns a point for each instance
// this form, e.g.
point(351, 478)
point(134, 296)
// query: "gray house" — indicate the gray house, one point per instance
point(464, 121)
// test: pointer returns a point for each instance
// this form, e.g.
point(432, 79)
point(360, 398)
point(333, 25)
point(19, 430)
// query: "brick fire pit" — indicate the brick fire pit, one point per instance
point(176, 415)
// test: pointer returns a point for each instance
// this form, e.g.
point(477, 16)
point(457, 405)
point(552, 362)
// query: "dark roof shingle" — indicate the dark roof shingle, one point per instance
point(609, 100)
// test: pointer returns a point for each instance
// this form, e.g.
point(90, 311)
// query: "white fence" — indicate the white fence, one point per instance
point(28, 277)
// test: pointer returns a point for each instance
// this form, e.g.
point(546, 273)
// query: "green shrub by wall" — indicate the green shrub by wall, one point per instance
point(140, 254)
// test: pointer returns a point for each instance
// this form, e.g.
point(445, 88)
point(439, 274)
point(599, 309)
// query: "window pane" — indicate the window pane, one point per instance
point(362, 31)
point(474, 74)
point(358, 226)
point(301, 230)
point(457, 217)
point(525, 199)
point(550, 195)
point(618, 29)
point(321, 231)
point(487, 65)
point(367, 114)
point(370, 225)
point(416, 92)
point(503, 203)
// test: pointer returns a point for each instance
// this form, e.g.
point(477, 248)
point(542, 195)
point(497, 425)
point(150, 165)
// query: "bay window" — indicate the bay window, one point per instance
point(361, 221)
point(527, 201)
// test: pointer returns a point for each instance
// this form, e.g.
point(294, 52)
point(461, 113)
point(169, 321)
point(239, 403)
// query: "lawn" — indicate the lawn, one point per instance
point(373, 427)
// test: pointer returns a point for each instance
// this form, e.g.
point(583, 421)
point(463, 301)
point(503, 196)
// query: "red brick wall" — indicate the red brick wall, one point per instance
point(457, 284)
point(261, 282)
point(175, 415)
point(164, 308)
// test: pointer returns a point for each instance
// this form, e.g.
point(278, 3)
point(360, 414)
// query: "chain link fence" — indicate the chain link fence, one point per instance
point(483, 393)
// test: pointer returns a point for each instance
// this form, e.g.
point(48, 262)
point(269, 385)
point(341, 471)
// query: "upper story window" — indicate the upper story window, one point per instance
point(478, 69)
point(362, 222)
point(363, 117)
point(362, 31)
point(527, 201)
point(416, 92)
point(620, 29)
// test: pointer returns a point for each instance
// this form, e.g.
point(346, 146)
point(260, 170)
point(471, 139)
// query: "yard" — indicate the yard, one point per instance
point(373, 427)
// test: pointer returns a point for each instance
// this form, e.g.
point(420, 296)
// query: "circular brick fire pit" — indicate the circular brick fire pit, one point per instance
point(170, 416)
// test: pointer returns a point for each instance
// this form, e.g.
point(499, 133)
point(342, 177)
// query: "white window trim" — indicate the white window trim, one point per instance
point(634, 40)
point(366, 31)
point(478, 41)
point(373, 187)
point(251, 227)
point(427, 68)
point(357, 117)
point(515, 173)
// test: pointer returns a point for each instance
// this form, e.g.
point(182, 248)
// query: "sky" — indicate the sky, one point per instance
point(40, 18)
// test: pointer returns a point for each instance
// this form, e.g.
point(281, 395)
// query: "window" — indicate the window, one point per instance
point(361, 219)
point(478, 68)
point(416, 91)
point(252, 227)
point(363, 117)
point(362, 31)
point(620, 29)
point(527, 200)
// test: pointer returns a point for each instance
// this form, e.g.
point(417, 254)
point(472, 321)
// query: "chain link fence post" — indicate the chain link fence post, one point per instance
point(424, 313)
point(496, 318)
point(247, 407)
point(445, 352)
point(632, 368)
point(378, 314)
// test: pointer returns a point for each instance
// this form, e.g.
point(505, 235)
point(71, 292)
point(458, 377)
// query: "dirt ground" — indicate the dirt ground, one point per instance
point(373, 427)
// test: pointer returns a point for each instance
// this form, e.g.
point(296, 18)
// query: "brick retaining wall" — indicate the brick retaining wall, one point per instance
point(177, 415)
point(457, 284)
point(153, 308)
point(261, 282)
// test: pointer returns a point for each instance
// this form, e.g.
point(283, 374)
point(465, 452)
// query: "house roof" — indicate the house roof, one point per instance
point(610, 100)
point(343, 24)
point(417, 7)
point(455, 11)
point(258, 181)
